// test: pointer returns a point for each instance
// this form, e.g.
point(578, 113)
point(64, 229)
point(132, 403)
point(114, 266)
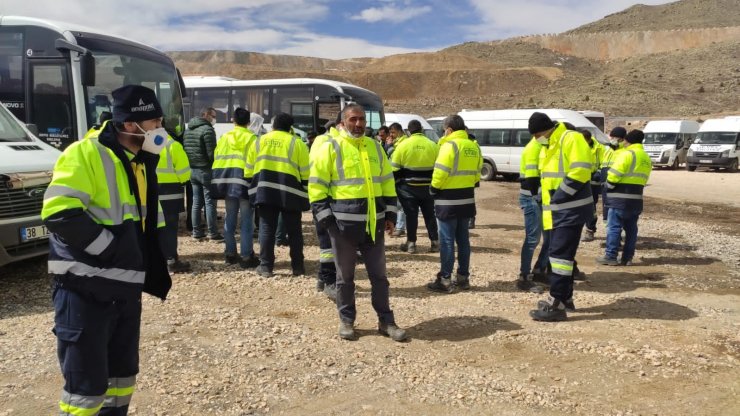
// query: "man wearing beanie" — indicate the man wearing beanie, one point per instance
point(616, 141)
point(567, 204)
point(625, 182)
point(103, 213)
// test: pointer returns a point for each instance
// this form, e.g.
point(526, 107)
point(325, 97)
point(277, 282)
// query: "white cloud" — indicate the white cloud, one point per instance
point(506, 18)
point(309, 44)
point(391, 13)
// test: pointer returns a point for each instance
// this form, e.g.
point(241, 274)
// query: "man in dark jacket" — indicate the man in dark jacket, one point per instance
point(200, 143)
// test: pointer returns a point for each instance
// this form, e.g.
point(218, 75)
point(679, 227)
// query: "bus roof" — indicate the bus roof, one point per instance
point(202, 81)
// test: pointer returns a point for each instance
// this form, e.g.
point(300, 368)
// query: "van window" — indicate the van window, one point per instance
point(491, 137)
point(521, 138)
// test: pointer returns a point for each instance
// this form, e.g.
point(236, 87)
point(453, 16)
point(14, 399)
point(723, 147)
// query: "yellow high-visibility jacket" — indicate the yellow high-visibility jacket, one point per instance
point(627, 178)
point(456, 174)
point(229, 163)
point(529, 171)
point(413, 160)
point(173, 171)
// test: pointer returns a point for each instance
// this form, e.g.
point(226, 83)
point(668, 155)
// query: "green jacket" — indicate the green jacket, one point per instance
point(199, 142)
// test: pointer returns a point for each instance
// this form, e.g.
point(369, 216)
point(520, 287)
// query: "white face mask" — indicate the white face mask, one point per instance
point(543, 140)
point(614, 142)
point(154, 140)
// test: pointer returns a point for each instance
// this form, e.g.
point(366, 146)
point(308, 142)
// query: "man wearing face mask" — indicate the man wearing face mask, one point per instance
point(103, 212)
point(567, 204)
point(616, 141)
point(199, 142)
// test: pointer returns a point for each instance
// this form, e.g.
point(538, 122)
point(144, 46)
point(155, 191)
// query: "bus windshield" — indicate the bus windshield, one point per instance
point(660, 138)
point(116, 66)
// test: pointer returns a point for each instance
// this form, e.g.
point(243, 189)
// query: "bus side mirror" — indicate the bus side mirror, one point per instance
point(87, 69)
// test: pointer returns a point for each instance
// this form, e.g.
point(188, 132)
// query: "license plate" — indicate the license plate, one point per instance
point(34, 233)
point(705, 161)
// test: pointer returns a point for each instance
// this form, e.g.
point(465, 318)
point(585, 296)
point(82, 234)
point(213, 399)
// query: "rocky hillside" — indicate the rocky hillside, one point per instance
point(693, 82)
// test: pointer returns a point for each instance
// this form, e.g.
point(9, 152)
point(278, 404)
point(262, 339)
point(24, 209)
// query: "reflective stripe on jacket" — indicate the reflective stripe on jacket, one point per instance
point(230, 160)
point(456, 174)
point(566, 177)
point(627, 178)
point(277, 170)
point(413, 160)
point(529, 172)
point(173, 171)
point(93, 211)
point(352, 184)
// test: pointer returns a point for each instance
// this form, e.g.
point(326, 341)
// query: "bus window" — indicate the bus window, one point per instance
point(218, 98)
point(327, 111)
point(52, 112)
point(285, 100)
point(11, 73)
point(256, 100)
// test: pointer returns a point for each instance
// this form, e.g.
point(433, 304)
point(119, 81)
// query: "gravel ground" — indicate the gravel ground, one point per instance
point(660, 337)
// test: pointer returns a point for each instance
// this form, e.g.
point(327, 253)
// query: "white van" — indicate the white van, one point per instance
point(502, 135)
point(403, 120)
point(26, 165)
point(716, 145)
point(668, 141)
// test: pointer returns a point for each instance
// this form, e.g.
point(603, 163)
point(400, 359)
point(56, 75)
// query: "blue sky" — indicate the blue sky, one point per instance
point(322, 28)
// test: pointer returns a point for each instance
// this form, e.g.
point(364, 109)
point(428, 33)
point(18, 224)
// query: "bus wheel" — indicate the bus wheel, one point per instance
point(487, 172)
point(733, 166)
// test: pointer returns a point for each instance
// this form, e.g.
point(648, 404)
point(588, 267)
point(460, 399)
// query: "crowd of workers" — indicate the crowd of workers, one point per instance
point(114, 202)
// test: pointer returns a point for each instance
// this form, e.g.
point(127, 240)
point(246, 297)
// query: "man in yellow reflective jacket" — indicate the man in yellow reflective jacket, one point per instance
point(396, 133)
point(103, 213)
point(277, 169)
point(173, 172)
point(625, 183)
point(413, 164)
point(597, 154)
point(616, 143)
point(230, 159)
point(567, 204)
point(454, 179)
point(353, 196)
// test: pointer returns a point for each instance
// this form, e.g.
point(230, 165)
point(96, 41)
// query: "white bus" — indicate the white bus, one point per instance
point(596, 117)
point(311, 102)
point(58, 77)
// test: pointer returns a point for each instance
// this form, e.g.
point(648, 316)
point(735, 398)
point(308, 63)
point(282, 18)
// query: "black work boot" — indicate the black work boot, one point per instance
point(527, 284)
point(441, 284)
point(569, 305)
point(393, 331)
point(347, 331)
point(463, 282)
point(330, 290)
point(549, 310)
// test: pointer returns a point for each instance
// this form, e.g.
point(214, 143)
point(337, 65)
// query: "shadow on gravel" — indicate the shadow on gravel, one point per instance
point(505, 227)
point(635, 308)
point(396, 255)
point(418, 292)
point(655, 243)
point(460, 328)
point(617, 282)
point(490, 250)
point(686, 261)
point(26, 288)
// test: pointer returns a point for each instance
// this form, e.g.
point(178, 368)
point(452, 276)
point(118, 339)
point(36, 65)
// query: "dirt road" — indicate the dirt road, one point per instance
point(660, 337)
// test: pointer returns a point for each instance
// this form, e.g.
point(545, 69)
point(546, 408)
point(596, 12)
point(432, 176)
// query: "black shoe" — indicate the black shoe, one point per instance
point(231, 259)
point(320, 285)
point(249, 262)
point(281, 243)
point(263, 271)
point(216, 237)
point(569, 305)
point(394, 332)
point(471, 223)
point(624, 262)
point(441, 284)
point(550, 310)
point(606, 261)
point(299, 271)
point(526, 284)
point(540, 276)
point(330, 291)
point(177, 266)
point(199, 237)
point(462, 282)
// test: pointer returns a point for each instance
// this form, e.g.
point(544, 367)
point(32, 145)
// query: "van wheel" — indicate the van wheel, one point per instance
point(510, 176)
point(690, 168)
point(487, 172)
point(733, 166)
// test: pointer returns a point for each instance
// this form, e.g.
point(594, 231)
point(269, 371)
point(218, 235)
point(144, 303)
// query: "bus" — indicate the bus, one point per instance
point(58, 77)
point(312, 102)
point(596, 117)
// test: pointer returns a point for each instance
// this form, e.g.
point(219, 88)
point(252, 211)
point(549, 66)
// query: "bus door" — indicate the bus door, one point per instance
point(50, 103)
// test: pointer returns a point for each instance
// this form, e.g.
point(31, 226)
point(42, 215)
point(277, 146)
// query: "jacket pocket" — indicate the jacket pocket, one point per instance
point(67, 333)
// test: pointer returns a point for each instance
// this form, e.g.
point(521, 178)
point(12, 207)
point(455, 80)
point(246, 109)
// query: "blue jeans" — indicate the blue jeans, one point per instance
point(620, 219)
point(201, 180)
point(400, 218)
point(237, 207)
point(453, 230)
point(532, 233)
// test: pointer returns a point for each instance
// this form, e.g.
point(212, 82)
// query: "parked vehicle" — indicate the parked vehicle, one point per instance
point(717, 145)
point(667, 141)
point(26, 165)
point(502, 134)
point(403, 120)
point(436, 123)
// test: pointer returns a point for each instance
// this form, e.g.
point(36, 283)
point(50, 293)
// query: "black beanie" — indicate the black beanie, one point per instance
point(635, 136)
point(135, 103)
point(539, 122)
point(618, 132)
